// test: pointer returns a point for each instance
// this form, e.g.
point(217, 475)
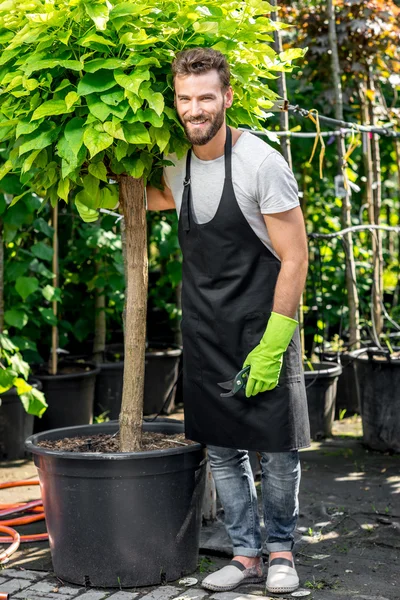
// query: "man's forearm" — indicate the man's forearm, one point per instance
point(289, 287)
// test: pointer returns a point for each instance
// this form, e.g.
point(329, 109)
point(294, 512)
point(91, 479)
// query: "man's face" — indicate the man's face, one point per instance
point(201, 103)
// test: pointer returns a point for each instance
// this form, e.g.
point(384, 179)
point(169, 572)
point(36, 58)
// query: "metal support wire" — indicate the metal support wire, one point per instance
point(383, 130)
point(354, 228)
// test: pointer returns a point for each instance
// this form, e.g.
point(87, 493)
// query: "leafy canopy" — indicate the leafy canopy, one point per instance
point(86, 90)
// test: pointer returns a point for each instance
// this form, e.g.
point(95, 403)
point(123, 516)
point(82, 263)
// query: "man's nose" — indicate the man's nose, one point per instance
point(195, 108)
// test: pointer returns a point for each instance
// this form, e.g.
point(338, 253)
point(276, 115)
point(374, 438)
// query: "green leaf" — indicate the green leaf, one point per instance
point(93, 41)
point(7, 344)
point(99, 109)
point(115, 129)
point(96, 141)
point(24, 127)
point(48, 316)
point(45, 135)
point(114, 98)
point(127, 8)
point(100, 81)
point(42, 251)
point(42, 226)
point(70, 99)
point(87, 214)
point(104, 63)
point(51, 293)
point(162, 136)
point(91, 188)
point(291, 54)
point(63, 188)
point(64, 36)
point(52, 107)
point(134, 167)
point(98, 170)
point(5, 168)
point(74, 134)
point(16, 318)
point(26, 286)
point(133, 81)
point(136, 133)
point(210, 27)
point(149, 116)
point(34, 402)
point(19, 365)
point(7, 378)
point(121, 150)
point(99, 15)
point(154, 99)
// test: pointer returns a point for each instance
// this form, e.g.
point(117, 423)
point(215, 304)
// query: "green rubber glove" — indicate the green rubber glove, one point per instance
point(266, 359)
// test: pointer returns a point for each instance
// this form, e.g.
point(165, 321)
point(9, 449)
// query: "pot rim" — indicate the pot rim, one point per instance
point(328, 369)
point(94, 370)
point(30, 445)
point(362, 355)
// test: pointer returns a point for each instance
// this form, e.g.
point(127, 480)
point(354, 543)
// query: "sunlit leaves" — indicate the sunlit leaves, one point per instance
point(88, 85)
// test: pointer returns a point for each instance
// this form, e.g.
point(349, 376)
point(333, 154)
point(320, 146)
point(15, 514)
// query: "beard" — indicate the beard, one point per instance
point(206, 134)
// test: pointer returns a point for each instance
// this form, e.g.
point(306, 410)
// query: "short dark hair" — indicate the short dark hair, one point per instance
point(196, 61)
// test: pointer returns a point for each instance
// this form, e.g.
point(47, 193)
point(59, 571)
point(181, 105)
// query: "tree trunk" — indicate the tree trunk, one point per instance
point(350, 268)
point(54, 330)
point(131, 195)
point(99, 343)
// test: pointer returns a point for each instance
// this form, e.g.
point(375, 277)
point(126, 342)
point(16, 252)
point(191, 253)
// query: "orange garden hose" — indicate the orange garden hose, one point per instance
point(35, 506)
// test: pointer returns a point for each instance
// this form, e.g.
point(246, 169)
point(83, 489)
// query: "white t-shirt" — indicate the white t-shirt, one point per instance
point(262, 180)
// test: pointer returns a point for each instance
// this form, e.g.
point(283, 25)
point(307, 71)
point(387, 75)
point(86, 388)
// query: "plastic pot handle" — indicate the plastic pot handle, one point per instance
point(378, 352)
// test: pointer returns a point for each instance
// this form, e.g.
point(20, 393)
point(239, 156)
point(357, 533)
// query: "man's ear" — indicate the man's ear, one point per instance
point(228, 97)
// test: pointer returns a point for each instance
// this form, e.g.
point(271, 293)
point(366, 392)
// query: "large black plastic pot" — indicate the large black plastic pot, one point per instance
point(321, 385)
point(347, 396)
point(126, 519)
point(69, 394)
point(15, 424)
point(378, 379)
point(161, 372)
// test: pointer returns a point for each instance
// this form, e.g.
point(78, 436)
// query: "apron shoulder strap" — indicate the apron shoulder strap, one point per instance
point(228, 154)
point(185, 209)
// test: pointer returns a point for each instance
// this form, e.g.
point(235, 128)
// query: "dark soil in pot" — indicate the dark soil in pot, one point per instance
point(15, 424)
point(69, 394)
point(321, 386)
point(378, 378)
point(161, 372)
point(122, 519)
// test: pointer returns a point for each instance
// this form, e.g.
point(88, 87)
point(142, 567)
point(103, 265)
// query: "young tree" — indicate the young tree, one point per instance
point(87, 111)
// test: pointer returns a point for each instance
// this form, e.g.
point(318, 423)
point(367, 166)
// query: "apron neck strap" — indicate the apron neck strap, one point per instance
point(228, 154)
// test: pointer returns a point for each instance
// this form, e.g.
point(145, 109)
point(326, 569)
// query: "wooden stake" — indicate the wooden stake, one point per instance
point(54, 331)
point(350, 269)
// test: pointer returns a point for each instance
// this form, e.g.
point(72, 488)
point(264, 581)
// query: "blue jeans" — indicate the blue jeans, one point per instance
point(236, 490)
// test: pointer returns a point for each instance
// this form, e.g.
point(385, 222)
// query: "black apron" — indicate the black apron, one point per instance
point(229, 278)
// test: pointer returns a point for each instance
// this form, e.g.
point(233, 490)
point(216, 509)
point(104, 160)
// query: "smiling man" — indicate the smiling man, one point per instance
point(244, 249)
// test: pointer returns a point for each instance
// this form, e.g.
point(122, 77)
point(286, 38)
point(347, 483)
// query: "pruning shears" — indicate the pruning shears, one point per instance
point(235, 384)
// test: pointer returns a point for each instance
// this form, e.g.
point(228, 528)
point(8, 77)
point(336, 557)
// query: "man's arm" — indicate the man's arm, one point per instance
point(159, 199)
point(289, 240)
